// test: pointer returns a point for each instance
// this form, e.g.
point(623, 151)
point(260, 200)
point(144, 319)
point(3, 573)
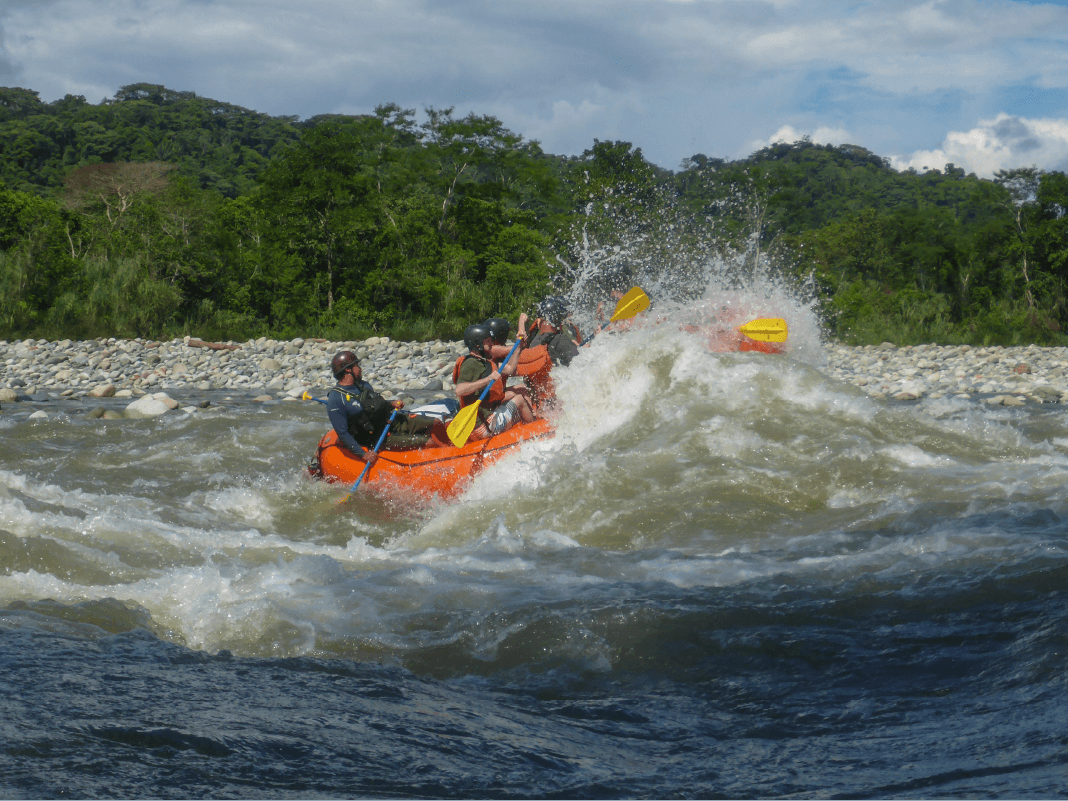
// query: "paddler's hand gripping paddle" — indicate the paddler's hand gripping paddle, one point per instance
point(378, 445)
point(631, 304)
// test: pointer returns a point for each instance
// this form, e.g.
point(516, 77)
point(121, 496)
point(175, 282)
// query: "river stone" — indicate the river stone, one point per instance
point(39, 415)
point(148, 406)
point(102, 391)
point(1046, 395)
point(166, 400)
point(8, 395)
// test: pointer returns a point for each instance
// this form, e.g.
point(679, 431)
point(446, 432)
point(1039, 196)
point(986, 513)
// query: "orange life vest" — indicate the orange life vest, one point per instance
point(496, 393)
point(534, 366)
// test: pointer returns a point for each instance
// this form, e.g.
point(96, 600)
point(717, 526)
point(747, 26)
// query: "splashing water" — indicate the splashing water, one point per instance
point(695, 276)
point(727, 575)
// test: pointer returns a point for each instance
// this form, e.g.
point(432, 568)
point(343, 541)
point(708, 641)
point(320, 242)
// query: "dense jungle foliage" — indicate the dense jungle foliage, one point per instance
point(157, 213)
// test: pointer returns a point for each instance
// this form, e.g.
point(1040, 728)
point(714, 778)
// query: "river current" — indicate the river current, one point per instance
point(728, 575)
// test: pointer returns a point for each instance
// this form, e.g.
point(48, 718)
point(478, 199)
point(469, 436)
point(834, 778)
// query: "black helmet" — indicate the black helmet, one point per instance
point(474, 335)
point(342, 362)
point(499, 329)
point(554, 309)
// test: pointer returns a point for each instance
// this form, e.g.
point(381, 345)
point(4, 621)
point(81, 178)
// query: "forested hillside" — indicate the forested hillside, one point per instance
point(159, 212)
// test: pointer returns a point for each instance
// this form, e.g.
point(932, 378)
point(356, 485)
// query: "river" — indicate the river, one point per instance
point(728, 575)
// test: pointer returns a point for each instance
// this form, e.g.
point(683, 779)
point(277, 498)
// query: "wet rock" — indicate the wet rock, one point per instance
point(1046, 395)
point(148, 406)
point(166, 400)
point(907, 395)
point(1006, 400)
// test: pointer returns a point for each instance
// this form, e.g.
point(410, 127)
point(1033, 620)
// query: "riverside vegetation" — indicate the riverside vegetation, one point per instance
point(158, 214)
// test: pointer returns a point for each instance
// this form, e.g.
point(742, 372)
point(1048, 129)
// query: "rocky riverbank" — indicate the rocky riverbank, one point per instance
point(40, 372)
point(143, 375)
point(1004, 376)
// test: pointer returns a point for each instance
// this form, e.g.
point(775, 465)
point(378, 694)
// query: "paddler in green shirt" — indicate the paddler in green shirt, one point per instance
point(503, 406)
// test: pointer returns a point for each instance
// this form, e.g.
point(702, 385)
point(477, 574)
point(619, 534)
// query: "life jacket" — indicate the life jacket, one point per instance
point(366, 426)
point(568, 326)
point(534, 366)
point(560, 344)
point(496, 393)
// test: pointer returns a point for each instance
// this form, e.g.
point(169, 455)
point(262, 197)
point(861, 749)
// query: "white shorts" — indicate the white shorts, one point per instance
point(502, 418)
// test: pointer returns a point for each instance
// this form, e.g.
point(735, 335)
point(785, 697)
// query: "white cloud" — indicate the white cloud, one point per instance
point(675, 78)
point(822, 134)
point(1004, 142)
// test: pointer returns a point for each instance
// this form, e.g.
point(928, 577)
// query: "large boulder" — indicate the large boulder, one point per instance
point(148, 406)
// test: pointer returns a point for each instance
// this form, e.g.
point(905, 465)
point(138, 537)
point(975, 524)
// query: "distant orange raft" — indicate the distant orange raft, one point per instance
point(443, 471)
point(725, 340)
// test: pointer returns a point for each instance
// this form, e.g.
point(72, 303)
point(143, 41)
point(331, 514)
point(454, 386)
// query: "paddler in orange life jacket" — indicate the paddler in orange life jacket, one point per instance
point(499, 329)
point(359, 414)
point(475, 371)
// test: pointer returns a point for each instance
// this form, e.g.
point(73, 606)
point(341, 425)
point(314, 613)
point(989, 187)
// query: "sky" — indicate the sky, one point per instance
point(982, 84)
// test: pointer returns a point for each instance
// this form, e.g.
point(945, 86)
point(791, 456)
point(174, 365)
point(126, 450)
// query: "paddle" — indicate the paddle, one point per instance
point(766, 330)
point(377, 446)
point(463, 424)
point(631, 304)
point(306, 397)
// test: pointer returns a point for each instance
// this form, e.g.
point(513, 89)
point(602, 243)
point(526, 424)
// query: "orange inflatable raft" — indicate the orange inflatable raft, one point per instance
point(725, 340)
point(443, 471)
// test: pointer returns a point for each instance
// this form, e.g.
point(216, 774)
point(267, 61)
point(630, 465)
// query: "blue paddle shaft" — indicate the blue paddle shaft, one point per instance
point(377, 446)
point(507, 359)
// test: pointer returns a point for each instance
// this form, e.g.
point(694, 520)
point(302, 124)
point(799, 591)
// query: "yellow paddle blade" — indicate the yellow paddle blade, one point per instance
point(463, 424)
point(306, 396)
point(766, 330)
point(634, 302)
